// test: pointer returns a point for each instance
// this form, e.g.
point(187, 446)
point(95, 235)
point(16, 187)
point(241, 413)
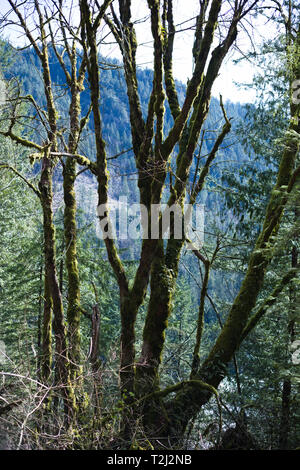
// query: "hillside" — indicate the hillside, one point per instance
point(115, 114)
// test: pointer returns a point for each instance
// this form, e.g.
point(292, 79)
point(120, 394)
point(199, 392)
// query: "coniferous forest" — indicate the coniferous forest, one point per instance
point(150, 228)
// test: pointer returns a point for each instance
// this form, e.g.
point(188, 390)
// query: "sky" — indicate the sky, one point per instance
point(184, 17)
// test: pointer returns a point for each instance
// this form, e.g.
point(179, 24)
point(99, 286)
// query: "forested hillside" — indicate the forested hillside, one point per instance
point(25, 67)
point(150, 342)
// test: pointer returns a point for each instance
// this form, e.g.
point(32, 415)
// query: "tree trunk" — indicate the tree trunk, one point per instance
point(69, 174)
point(61, 359)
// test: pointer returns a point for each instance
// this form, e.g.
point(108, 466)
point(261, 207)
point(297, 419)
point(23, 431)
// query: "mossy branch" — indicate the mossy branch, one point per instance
point(84, 120)
point(174, 388)
point(199, 384)
point(197, 253)
point(101, 13)
point(21, 140)
point(25, 28)
point(41, 113)
point(200, 322)
point(120, 154)
point(168, 66)
point(124, 33)
point(82, 160)
point(16, 172)
point(91, 56)
point(271, 300)
point(60, 58)
point(294, 179)
point(196, 80)
point(201, 180)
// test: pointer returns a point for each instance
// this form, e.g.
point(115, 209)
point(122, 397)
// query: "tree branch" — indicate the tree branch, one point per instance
point(14, 170)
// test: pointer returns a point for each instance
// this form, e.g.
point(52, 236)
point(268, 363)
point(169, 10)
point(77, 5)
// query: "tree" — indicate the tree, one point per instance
point(167, 168)
point(265, 132)
point(67, 357)
point(151, 161)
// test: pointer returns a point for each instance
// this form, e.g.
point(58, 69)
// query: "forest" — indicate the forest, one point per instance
point(150, 228)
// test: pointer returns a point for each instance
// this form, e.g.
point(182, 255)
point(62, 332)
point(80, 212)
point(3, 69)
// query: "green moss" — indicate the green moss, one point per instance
point(73, 310)
point(46, 359)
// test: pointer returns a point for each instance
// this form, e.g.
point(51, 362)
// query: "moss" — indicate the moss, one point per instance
point(46, 359)
point(73, 309)
point(61, 361)
point(200, 322)
point(162, 287)
point(35, 157)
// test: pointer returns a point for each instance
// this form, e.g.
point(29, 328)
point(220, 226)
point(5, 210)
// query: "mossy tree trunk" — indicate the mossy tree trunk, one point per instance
point(152, 153)
point(74, 70)
point(52, 288)
point(53, 303)
point(239, 323)
point(164, 262)
point(46, 342)
point(75, 83)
